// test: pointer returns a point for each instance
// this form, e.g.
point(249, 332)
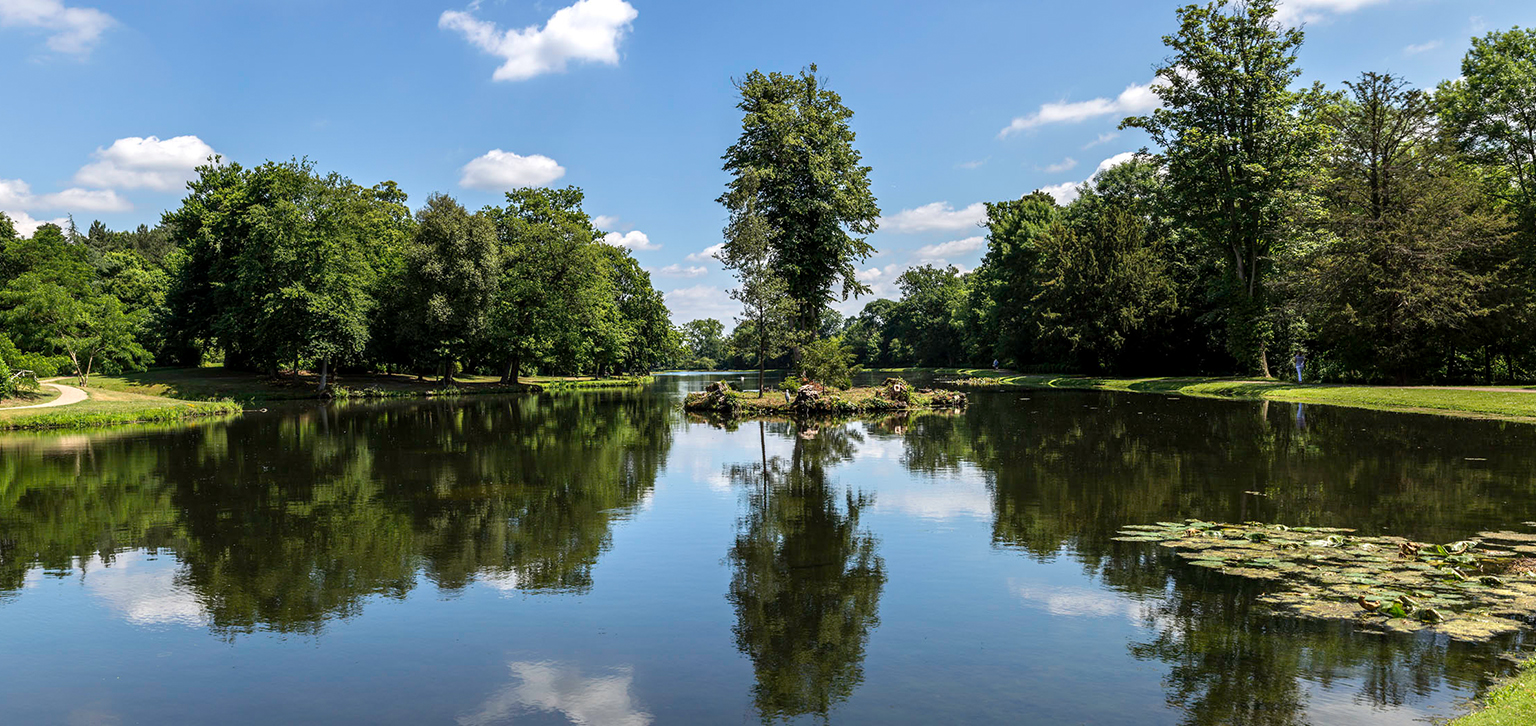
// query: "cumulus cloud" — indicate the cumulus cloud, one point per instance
point(676, 270)
point(632, 240)
point(146, 163)
point(1066, 164)
point(1067, 192)
point(701, 301)
point(1136, 98)
point(1418, 48)
point(589, 30)
point(501, 170)
point(26, 226)
point(16, 195)
point(950, 249)
point(938, 216)
point(706, 254)
point(72, 30)
point(1297, 12)
point(604, 221)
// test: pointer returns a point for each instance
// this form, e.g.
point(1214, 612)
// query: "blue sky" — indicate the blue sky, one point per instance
point(955, 103)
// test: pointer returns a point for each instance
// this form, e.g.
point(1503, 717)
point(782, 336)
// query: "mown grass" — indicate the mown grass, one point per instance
point(1516, 404)
point(205, 384)
point(113, 408)
point(1512, 704)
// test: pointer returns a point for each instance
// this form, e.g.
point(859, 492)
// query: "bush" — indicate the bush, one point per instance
point(829, 362)
point(790, 384)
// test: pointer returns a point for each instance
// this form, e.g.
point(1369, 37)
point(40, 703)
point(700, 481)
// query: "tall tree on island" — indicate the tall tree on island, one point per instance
point(1235, 148)
point(811, 189)
point(749, 251)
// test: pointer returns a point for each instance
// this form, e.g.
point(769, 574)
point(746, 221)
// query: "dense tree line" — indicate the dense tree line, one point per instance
point(1385, 232)
point(280, 268)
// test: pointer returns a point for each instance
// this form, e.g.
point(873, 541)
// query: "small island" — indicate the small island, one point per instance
point(814, 399)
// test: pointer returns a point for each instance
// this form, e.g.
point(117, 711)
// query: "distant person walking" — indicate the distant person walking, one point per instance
point(994, 364)
point(1301, 362)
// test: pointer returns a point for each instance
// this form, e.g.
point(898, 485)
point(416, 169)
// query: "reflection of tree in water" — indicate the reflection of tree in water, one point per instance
point(806, 580)
point(1067, 471)
point(292, 521)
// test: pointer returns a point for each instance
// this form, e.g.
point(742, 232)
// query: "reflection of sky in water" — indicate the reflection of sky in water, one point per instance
point(587, 701)
point(140, 589)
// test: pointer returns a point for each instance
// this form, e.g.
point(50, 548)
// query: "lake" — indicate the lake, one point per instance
point(603, 559)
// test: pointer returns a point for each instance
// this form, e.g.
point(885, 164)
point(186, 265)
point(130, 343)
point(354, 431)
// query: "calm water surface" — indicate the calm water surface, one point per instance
point(601, 559)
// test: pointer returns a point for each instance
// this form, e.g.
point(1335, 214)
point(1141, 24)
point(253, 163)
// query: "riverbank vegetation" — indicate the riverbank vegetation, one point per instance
point(1382, 230)
point(113, 408)
point(812, 399)
point(279, 269)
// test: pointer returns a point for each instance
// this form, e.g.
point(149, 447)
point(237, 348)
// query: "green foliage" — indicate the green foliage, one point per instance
point(796, 162)
point(828, 361)
point(1491, 110)
point(451, 275)
point(703, 343)
point(1236, 149)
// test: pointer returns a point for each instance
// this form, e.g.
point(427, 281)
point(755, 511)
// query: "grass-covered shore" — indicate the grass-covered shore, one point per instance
point(1511, 403)
point(107, 407)
point(1511, 704)
point(205, 384)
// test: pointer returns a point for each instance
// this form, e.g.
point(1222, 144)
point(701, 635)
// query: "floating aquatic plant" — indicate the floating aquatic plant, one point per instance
point(1472, 589)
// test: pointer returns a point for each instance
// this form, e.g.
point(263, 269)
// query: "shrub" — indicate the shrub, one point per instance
point(829, 362)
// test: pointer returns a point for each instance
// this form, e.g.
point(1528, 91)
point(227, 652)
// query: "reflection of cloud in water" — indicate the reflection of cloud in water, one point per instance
point(939, 498)
point(503, 580)
point(550, 687)
point(1070, 601)
point(144, 591)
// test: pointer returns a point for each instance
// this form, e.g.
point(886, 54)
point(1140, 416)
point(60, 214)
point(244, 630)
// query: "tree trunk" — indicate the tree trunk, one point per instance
point(447, 371)
point(1263, 360)
point(761, 353)
point(514, 364)
point(325, 370)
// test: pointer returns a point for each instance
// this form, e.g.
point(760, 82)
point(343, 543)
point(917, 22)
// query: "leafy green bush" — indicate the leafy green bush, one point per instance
point(829, 362)
point(790, 384)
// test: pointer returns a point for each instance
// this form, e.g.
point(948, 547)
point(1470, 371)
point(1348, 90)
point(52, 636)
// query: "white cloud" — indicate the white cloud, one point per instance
point(26, 226)
point(147, 163)
point(1134, 99)
point(633, 240)
point(950, 249)
point(1297, 12)
point(501, 170)
point(74, 30)
point(553, 688)
point(973, 164)
point(935, 216)
point(1103, 138)
point(603, 221)
point(1418, 48)
point(17, 195)
point(701, 301)
point(1066, 164)
point(1067, 192)
point(589, 30)
point(676, 270)
point(707, 254)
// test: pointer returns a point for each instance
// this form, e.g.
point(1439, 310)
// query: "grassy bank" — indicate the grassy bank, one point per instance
point(1485, 402)
point(113, 408)
point(1512, 704)
point(206, 384)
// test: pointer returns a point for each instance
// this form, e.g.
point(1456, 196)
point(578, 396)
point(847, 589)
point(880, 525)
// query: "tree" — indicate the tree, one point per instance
point(1412, 238)
point(87, 329)
point(552, 291)
point(1491, 109)
point(641, 310)
point(796, 148)
point(925, 321)
point(1234, 147)
point(998, 310)
point(705, 345)
point(828, 361)
point(763, 293)
point(450, 277)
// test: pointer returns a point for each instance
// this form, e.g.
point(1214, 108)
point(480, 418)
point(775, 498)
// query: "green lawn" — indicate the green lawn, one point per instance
point(107, 407)
point(1487, 402)
point(1513, 704)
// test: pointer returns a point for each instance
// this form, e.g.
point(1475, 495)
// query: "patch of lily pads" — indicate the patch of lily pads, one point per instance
point(1471, 590)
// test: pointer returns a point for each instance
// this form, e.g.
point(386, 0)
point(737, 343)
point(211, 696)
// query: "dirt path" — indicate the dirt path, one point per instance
point(67, 396)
